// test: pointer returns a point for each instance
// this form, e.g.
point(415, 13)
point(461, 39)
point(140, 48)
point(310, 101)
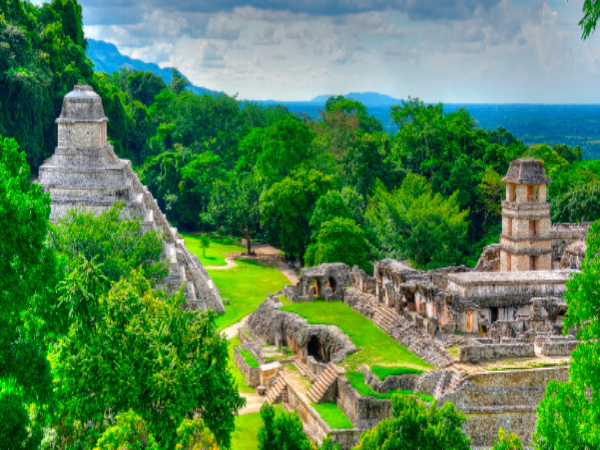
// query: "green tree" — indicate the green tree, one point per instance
point(193, 434)
point(28, 272)
point(130, 432)
point(491, 191)
point(117, 243)
point(581, 204)
point(339, 240)
point(286, 209)
point(329, 206)
point(281, 431)
point(412, 222)
point(234, 206)
point(144, 352)
point(204, 243)
point(507, 441)
point(413, 425)
point(568, 416)
point(284, 145)
point(591, 12)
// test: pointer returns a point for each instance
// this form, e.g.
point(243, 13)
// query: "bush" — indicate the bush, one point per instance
point(130, 432)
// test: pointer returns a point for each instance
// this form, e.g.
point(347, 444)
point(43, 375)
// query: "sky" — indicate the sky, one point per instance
point(453, 51)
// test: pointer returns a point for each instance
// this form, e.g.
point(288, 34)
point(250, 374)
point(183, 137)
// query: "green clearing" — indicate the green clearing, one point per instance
point(245, 436)
point(377, 348)
point(217, 251)
point(238, 378)
point(246, 285)
point(383, 372)
point(357, 380)
point(333, 415)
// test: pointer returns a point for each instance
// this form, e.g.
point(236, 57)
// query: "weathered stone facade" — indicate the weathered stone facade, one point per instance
point(84, 172)
point(525, 240)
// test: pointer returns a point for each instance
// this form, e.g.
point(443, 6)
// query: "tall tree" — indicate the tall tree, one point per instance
point(413, 425)
point(569, 414)
point(144, 352)
point(27, 275)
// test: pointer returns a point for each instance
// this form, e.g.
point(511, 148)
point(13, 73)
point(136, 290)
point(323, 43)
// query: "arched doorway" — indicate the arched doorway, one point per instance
point(332, 284)
point(314, 349)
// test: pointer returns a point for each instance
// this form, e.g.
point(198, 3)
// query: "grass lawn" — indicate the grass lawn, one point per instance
point(238, 378)
point(333, 415)
point(246, 286)
point(245, 436)
point(217, 251)
point(377, 348)
point(357, 380)
point(383, 372)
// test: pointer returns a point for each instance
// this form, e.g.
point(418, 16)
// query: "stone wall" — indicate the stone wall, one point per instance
point(503, 399)
point(406, 382)
point(251, 374)
point(364, 412)
point(273, 326)
point(474, 354)
point(559, 346)
point(314, 426)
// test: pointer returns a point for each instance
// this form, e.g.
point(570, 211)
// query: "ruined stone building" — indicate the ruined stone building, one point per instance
point(506, 312)
point(85, 172)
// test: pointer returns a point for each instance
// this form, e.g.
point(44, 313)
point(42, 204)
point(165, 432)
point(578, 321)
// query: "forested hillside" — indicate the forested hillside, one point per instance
point(429, 192)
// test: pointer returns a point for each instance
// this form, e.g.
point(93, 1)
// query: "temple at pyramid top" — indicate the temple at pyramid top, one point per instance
point(85, 172)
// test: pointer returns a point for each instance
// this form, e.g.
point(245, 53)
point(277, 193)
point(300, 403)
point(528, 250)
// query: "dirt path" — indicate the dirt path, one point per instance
point(232, 331)
point(264, 252)
point(253, 403)
point(229, 264)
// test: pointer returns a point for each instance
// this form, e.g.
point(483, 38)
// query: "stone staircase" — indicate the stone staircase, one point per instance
point(275, 393)
point(403, 330)
point(450, 380)
point(384, 316)
point(323, 383)
point(304, 370)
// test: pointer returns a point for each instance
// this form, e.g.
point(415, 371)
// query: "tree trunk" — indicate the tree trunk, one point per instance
point(248, 237)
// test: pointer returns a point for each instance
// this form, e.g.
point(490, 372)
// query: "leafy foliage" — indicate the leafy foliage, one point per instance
point(130, 431)
point(339, 240)
point(413, 425)
point(414, 223)
point(568, 416)
point(507, 441)
point(282, 430)
point(195, 435)
point(28, 271)
point(143, 352)
point(116, 242)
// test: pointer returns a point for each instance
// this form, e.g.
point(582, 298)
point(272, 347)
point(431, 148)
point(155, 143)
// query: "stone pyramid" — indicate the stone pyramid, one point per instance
point(85, 172)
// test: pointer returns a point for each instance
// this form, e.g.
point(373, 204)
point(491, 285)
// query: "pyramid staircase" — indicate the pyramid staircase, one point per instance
point(323, 383)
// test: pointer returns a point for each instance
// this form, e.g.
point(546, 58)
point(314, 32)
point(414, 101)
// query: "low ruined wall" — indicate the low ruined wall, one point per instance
point(316, 427)
point(558, 347)
point(391, 383)
point(364, 412)
point(477, 353)
point(503, 399)
point(251, 374)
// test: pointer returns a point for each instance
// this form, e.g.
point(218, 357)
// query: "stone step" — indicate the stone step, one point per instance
point(323, 383)
point(274, 394)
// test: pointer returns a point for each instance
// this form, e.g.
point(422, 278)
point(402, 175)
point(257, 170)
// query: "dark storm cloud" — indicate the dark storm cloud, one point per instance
point(127, 11)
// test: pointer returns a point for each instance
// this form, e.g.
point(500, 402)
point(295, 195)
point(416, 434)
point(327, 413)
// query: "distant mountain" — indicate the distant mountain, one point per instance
point(366, 98)
point(107, 58)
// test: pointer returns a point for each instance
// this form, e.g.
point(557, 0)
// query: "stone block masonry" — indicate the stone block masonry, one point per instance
point(85, 172)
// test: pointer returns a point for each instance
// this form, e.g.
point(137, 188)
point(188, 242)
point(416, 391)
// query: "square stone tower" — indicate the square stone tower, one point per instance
point(525, 240)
